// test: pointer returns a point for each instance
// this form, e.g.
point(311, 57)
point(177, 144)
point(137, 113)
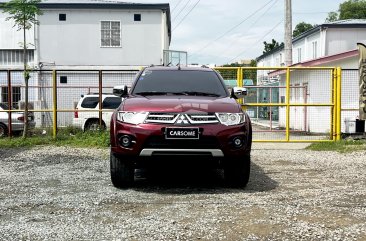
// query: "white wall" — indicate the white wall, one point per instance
point(76, 41)
point(342, 40)
point(10, 37)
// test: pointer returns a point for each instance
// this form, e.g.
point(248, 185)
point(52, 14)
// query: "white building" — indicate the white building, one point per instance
point(327, 45)
point(117, 37)
point(90, 33)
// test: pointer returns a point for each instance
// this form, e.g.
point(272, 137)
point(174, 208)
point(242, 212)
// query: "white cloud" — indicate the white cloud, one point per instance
point(212, 18)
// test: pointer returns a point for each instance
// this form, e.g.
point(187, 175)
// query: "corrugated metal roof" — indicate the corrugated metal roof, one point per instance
point(349, 21)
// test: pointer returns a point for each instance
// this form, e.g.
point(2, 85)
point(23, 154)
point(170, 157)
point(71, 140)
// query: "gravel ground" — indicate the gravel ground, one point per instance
point(61, 193)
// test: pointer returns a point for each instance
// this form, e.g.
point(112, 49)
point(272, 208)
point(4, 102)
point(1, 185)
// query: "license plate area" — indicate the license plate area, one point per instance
point(184, 133)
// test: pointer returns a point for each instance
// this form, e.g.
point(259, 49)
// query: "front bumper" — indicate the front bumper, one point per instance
point(19, 126)
point(216, 140)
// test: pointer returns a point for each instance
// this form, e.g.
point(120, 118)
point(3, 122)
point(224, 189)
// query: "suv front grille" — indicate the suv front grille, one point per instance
point(171, 118)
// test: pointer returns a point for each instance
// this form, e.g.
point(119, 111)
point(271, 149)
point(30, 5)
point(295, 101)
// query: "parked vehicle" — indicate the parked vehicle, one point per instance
point(176, 113)
point(17, 121)
point(89, 120)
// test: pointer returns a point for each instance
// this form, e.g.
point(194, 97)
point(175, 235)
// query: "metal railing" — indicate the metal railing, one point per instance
point(285, 104)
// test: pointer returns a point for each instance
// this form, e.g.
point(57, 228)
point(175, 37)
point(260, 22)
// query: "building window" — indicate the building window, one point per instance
point(315, 49)
point(137, 17)
point(63, 79)
point(15, 57)
point(62, 17)
point(299, 55)
point(111, 34)
point(16, 95)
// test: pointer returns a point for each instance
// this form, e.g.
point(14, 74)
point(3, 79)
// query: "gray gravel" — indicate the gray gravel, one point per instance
point(62, 193)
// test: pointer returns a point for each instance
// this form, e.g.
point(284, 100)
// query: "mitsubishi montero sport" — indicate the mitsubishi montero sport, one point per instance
point(180, 114)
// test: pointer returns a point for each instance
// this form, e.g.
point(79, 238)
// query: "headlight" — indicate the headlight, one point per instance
point(134, 118)
point(230, 119)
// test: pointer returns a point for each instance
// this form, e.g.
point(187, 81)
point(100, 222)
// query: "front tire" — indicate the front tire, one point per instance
point(93, 125)
point(237, 171)
point(122, 172)
point(3, 130)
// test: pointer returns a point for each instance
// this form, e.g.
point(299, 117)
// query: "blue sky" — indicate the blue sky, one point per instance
point(219, 31)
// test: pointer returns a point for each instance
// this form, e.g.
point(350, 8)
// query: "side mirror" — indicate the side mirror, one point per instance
point(238, 92)
point(120, 90)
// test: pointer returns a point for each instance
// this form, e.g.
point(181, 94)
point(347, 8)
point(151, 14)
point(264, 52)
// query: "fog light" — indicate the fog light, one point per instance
point(238, 142)
point(125, 141)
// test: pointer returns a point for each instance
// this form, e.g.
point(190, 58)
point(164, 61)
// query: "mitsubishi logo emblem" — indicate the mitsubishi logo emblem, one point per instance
point(182, 119)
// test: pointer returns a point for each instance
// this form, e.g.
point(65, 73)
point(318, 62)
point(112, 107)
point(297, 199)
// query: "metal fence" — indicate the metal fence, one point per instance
point(284, 104)
point(53, 95)
point(291, 104)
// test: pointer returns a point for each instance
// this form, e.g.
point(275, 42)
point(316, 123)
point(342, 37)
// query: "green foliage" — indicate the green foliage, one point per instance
point(253, 63)
point(23, 12)
point(343, 146)
point(65, 137)
point(350, 9)
point(248, 74)
point(301, 28)
point(332, 16)
point(268, 47)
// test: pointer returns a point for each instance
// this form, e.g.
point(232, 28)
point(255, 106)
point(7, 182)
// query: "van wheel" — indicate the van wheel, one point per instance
point(237, 171)
point(93, 125)
point(3, 130)
point(122, 172)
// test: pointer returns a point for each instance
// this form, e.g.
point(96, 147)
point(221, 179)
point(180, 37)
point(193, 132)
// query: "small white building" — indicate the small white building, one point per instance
point(327, 45)
point(118, 37)
point(90, 33)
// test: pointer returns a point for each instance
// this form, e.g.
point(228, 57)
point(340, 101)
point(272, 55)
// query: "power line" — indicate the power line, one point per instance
point(260, 40)
point(176, 5)
point(309, 12)
point(186, 15)
point(184, 7)
point(250, 27)
point(234, 27)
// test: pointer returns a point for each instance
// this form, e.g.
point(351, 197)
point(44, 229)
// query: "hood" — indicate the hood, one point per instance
point(192, 104)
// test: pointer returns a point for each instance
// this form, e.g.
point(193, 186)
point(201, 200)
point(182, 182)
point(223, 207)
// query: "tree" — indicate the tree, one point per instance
point(24, 14)
point(301, 28)
point(332, 16)
point(350, 9)
point(268, 47)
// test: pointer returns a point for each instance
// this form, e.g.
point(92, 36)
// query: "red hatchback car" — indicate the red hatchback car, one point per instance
point(180, 114)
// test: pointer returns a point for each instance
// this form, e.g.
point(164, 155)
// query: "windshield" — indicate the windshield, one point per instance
point(5, 106)
point(179, 82)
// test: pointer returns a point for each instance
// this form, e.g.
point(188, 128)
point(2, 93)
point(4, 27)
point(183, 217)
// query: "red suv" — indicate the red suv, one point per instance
point(180, 114)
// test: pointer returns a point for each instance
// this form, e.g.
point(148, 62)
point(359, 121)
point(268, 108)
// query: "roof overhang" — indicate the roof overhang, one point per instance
point(320, 61)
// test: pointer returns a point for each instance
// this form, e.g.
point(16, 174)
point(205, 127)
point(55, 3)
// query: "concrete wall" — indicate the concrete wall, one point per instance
point(77, 41)
point(10, 37)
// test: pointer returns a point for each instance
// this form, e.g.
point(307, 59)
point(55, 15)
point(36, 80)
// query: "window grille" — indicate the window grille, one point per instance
point(111, 34)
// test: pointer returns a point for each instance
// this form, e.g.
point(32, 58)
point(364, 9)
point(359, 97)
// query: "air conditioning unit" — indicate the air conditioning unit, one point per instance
point(21, 105)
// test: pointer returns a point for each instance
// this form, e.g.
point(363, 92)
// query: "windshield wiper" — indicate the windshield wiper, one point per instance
point(151, 93)
point(200, 93)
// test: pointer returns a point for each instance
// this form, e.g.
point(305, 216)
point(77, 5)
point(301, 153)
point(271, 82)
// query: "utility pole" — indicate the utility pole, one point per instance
point(288, 33)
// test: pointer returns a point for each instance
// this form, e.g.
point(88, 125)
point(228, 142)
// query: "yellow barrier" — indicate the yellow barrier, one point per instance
point(289, 108)
point(334, 104)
